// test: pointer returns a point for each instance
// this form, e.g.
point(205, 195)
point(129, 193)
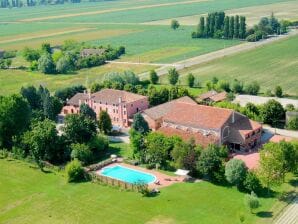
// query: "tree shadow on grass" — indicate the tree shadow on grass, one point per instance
point(264, 214)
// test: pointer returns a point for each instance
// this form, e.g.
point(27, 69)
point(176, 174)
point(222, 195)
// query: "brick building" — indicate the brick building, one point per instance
point(120, 105)
point(185, 118)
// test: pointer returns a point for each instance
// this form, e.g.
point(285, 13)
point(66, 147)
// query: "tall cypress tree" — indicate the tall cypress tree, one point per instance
point(212, 24)
point(242, 28)
point(207, 29)
point(236, 26)
point(231, 27)
point(202, 26)
point(226, 27)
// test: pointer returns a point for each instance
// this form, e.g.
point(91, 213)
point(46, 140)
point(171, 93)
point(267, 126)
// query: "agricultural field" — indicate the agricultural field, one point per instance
point(29, 196)
point(270, 65)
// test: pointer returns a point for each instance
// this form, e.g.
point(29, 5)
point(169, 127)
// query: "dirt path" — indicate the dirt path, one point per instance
point(43, 35)
point(109, 10)
point(246, 46)
point(290, 215)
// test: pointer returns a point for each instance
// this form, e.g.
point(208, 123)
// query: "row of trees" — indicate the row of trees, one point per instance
point(68, 58)
point(218, 25)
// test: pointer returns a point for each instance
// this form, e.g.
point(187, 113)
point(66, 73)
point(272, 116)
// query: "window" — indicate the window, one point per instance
point(117, 119)
point(113, 110)
point(124, 106)
point(131, 105)
point(124, 112)
point(117, 111)
point(114, 119)
point(72, 111)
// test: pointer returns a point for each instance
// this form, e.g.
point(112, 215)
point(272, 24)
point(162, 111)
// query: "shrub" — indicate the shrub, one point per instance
point(235, 172)
point(252, 201)
point(74, 171)
point(278, 91)
point(252, 182)
point(81, 152)
point(293, 124)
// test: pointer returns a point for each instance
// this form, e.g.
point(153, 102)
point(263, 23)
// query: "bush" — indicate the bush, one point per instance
point(235, 172)
point(74, 171)
point(293, 124)
point(252, 201)
point(99, 143)
point(252, 183)
point(81, 152)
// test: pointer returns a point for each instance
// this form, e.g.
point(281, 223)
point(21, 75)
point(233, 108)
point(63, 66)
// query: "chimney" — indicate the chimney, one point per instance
point(80, 102)
point(120, 99)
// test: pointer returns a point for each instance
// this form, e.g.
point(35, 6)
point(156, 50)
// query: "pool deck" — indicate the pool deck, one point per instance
point(164, 180)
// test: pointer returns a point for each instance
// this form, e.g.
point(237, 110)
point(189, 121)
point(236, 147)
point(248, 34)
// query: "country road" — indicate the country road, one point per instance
point(290, 215)
point(217, 54)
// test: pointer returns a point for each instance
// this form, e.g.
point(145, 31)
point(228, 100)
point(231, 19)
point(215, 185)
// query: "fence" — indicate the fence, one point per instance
point(98, 166)
point(115, 182)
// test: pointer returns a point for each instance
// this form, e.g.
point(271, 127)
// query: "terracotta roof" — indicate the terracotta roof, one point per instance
point(113, 96)
point(76, 99)
point(198, 116)
point(251, 160)
point(207, 95)
point(162, 109)
point(219, 97)
point(110, 96)
point(279, 138)
point(186, 135)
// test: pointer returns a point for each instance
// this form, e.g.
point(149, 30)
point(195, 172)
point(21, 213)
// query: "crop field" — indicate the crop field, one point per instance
point(282, 10)
point(115, 23)
point(30, 196)
point(271, 65)
point(12, 80)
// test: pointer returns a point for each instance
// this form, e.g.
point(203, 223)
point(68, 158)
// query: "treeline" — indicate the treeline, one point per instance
point(6, 59)
point(31, 3)
point(218, 25)
point(69, 57)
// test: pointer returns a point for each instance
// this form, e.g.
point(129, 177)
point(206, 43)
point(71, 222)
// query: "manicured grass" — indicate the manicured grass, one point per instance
point(30, 196)
point(121, 149)
point(12, 80)
point(271, 65)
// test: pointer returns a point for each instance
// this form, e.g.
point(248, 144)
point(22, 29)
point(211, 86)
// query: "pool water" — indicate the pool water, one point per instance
point(128, 175)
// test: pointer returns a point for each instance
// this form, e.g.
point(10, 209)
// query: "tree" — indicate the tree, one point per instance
point(185, 155)
point(236, 26)
point(137, 144)
point(190, 80)
point(140, 124)
point(46, 48)
point(211, 162)
point(31, 95)
point(87, 111)
point(79, 129)
point(95, 87)
point(252, 182)
point(173, 76)
point(74, 171)
point(242, 27)
point(272, 112)
point(252, 88)
point(30, 55)
point(224, 85)
point(201, 28)
point(231, 27)
point(63, 65)
point(15, 115)
point(226, 27)
point(43, 142)
point(81, 152)
point(289, 156)
point(46, 64)
point(174, 24)
point(153, 77)
point(235, 172)
point(237, 86)
point(278, 91)
point(270, 171)
point(292, 124)
point(252, 201)
point(104, 123)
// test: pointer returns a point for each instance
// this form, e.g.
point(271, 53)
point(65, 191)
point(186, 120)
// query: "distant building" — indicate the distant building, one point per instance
point(212, 97)
point(185, 118)
point(92, 52)
point(120, 105)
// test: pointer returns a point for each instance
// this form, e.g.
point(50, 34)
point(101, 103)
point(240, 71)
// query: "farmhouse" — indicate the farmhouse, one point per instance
point(212, 97)
point(92, 52)
point(185, 118)
point(120, 105)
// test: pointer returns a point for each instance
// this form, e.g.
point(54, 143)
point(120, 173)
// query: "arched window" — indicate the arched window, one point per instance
point(226, 132)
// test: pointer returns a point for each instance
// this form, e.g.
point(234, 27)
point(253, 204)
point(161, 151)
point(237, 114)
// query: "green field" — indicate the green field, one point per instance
point(271, 65)
point(30, 196)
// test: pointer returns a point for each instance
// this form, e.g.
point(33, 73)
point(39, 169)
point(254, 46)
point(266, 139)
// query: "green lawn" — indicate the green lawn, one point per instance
point(271, 65)
point(30, 196)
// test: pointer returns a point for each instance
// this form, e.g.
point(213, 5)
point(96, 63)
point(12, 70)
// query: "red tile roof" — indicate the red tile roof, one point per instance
point(251, 160)
point(186, 135)
point(219, 97)
point(198, 116)
point(279, 138)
